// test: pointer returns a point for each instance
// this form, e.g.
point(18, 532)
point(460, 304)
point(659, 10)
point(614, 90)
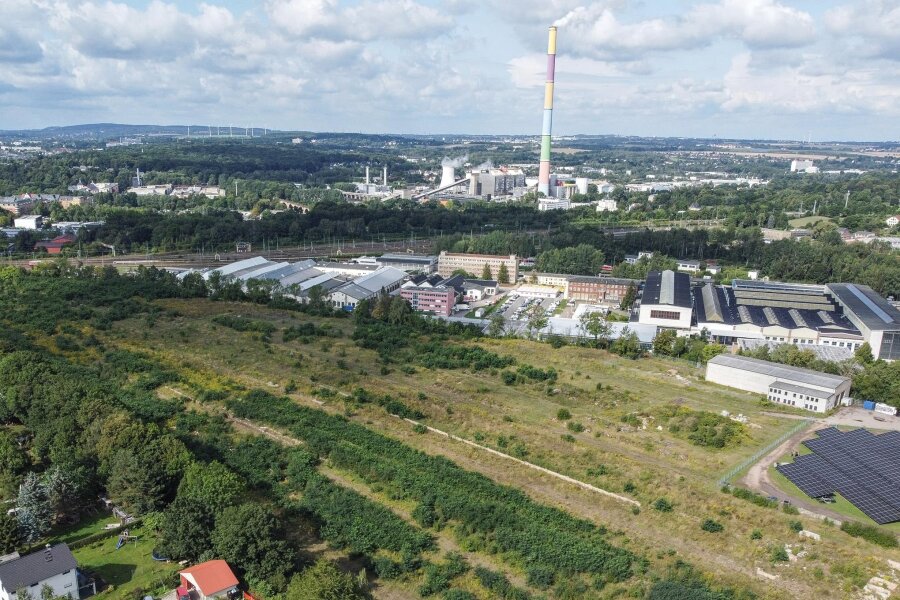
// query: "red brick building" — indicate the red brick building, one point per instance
point(598, 289)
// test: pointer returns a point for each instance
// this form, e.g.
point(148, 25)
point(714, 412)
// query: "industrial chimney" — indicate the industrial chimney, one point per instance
point(448, 175)
point(384, 177)
point(367, 178)
point(544, 173)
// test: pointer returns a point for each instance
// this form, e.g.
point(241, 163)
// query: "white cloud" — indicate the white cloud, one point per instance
point(597, 31)
point(871, 27)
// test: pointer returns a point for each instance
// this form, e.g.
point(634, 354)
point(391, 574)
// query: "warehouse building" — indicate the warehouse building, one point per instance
point(409, 262)
point(666, 301)
point(782, 384)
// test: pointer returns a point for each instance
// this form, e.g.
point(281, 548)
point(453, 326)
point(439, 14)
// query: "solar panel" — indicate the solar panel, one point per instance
point(861, 466)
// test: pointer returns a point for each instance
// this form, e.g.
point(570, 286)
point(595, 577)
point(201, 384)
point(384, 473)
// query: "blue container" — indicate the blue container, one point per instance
point(868, 404)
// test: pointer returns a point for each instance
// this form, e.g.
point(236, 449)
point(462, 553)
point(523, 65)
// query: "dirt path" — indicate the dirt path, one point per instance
point(758, 479)
point(445, 542)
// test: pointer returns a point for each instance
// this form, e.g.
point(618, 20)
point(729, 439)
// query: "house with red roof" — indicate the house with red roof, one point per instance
point(56, 245)
point(212, 579)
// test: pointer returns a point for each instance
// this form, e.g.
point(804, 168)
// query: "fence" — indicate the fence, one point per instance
point(726, 480)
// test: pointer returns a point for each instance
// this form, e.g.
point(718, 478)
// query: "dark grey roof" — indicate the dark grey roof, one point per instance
point(669, 288)
point(604, 280)
point(406, 258)
point(865, 304)
point(480, 283)
point(36, 567)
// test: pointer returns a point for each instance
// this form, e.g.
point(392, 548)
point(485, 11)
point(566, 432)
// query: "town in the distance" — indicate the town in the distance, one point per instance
point(254, 363)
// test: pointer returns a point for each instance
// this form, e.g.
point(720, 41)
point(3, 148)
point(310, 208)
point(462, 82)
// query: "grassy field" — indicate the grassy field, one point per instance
point(599, 389)
point(807, 221)
point(129, 571)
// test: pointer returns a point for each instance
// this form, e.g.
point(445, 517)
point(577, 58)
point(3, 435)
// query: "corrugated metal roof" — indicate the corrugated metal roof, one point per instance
point(667, 288)
point(865, 304)
point(796, 374)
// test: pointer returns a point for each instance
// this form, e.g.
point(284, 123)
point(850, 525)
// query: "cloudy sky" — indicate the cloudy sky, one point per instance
point(786, 69)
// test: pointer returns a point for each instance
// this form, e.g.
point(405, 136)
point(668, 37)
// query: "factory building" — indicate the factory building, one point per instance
point(877, 319)
point(495, 182)
point(409, 262)
point(666, 301)
point(382, 281)
point(449, 262)
point(782, 384)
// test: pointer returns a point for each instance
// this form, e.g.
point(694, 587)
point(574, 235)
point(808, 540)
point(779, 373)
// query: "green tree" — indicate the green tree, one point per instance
point(185, 530)
point(323, 581)
point(34, 513)
point(629, 298)
point(627, 345)
point(486, 272)
point(399, 311)
point(249, 536)
point(10, 534)
point(664, 342)
point(864, 355)
point(711, 350)
point(496, 327)
point(536, 319)
point(503, 274)
point(213, 485)
point(134, 484)
point(596, 325)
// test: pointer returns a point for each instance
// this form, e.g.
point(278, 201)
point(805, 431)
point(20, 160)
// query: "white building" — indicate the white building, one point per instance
point(29, 222)
point(607, 205)
point(892, 221)
point(666, 300)
point(554, 204)
point(691, 266)
point(384, 280)
point(805, 166)
point(54, 567)
point(792, 386)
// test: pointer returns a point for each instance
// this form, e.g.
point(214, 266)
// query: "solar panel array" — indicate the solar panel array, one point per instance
point(863, 467)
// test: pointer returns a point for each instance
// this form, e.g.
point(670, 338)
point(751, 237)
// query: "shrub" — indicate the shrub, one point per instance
point(563, 414)
point(568, 437)
point(420, 429)
point(458, 595)
point(540, 576)
point(509, 378)
point(628, 488)
point(796, 526)
point(869, 533)
point(575, 427)
point(711, 526)
point(663, 505)
point(789, 509)
point(756, 534)
point(779, 554)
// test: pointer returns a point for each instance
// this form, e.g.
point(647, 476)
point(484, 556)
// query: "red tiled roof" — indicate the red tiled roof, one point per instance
point(212, 576)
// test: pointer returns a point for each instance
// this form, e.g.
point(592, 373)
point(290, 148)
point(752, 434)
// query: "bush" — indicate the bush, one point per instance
point(568, 437)
point(796, 526)
point(540, 577)
point(663, 505)
point(509, 378)
point(789, 509)
point(756, 534)
point(575, 427)
point(869, 533)
point(711, 526)
point(779, 554)
point(458, 595)
point(563, 414)
point(420, 429)
point(749, 496)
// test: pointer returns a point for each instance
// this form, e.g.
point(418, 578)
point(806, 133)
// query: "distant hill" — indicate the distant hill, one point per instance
point(108, 131)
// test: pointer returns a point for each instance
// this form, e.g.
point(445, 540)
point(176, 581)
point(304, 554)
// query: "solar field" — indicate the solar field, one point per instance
point(861, 466)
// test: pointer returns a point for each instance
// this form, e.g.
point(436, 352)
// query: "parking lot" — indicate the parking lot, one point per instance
point(515, 307)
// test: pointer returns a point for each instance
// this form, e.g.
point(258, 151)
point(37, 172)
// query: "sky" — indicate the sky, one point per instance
point(775, 69)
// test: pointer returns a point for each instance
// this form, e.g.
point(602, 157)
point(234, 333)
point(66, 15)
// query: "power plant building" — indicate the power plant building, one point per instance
point(495, 182)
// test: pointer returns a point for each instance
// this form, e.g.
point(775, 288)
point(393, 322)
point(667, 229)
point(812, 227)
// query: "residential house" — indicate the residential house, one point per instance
point(892, 221)
point(212, 579)
point(54, 567)
point(691, 266)
point(478, 289)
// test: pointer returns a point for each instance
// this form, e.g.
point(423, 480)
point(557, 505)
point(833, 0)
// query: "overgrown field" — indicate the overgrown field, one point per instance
point(648, 429)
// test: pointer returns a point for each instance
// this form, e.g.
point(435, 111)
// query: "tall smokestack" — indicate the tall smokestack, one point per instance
point(367, 175)
point(384, 177)
point(544, 173)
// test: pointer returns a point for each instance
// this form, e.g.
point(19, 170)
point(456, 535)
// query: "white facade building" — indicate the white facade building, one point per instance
point(54, 567)
point(782, 384)
point(29, 222)
point(607, 205)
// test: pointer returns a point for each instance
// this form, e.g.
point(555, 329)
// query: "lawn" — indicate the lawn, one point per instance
point(807, 221)
point(85, 527)
point(129, 568)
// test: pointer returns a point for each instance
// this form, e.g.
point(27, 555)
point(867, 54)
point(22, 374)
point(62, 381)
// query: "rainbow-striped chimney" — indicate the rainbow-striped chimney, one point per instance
point(544, 174)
